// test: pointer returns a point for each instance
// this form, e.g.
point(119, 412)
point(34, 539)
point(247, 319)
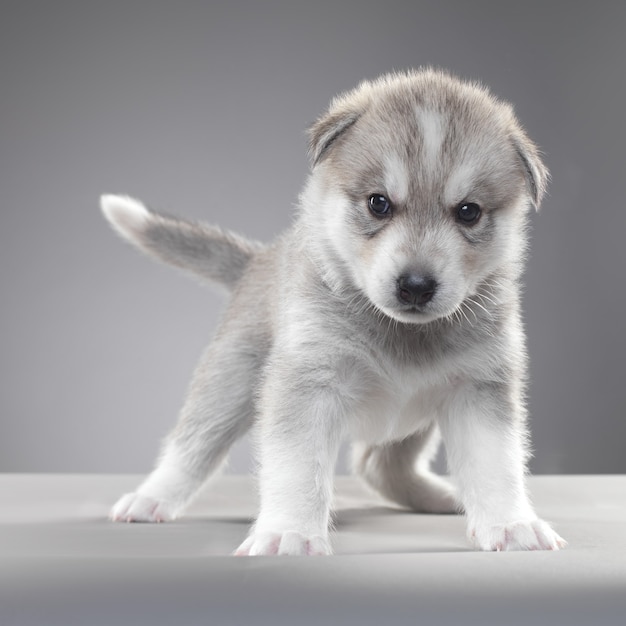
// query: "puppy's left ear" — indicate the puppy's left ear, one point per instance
point(535, 172)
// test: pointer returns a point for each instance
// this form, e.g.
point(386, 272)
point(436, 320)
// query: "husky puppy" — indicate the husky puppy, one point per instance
point(388, 313)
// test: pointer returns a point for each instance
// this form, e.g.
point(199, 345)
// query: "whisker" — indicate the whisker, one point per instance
point(461, 312)
point(484, 297)
point(480, 306)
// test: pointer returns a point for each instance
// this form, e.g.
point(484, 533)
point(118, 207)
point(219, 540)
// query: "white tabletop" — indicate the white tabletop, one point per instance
point(62, 562)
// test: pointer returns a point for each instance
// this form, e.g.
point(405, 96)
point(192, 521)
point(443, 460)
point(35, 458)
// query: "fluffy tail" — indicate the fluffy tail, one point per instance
point(205, 251)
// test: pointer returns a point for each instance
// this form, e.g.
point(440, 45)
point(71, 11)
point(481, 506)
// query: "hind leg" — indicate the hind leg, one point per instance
point(217, 411)
point(400, 471)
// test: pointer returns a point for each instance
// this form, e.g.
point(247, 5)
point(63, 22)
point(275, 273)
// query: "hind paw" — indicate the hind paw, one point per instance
point(426, 493)
point(434, 495)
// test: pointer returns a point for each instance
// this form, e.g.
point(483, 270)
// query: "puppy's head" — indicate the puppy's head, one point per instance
point(420, 187)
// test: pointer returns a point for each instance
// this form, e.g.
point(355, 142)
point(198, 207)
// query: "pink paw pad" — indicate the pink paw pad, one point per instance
point(523, 535)
point(288, 543)
point(133, 507)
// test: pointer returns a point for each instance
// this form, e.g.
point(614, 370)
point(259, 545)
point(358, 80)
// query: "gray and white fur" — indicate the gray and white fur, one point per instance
point(389, 314)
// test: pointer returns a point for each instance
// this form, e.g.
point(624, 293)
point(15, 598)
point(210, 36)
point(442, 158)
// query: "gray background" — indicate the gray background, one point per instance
point(199, 108)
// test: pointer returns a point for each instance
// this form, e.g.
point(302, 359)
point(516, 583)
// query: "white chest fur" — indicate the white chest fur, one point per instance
point(402, 402)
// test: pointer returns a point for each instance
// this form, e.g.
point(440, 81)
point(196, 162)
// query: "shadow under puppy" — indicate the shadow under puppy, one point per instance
point(388, 313)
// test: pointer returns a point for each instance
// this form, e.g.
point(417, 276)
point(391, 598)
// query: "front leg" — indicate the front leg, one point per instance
point(301, 417)
point(485, 435)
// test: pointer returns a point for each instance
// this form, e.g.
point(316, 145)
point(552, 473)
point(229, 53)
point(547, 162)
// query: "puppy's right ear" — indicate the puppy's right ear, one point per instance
point(343, 113)
point(327, 129)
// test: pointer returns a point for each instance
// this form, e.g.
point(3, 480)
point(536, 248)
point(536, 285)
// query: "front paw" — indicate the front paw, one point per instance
point(134, 507)
point(290, 543)
point(523, 535)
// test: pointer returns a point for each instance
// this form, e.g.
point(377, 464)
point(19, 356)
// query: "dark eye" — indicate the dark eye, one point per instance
point(379, 205)
point(468, 212)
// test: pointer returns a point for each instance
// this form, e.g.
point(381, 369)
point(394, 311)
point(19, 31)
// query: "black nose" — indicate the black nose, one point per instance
point(416, 289)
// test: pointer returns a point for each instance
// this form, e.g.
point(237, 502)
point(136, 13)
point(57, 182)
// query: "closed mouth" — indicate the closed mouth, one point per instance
point(412, 309)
